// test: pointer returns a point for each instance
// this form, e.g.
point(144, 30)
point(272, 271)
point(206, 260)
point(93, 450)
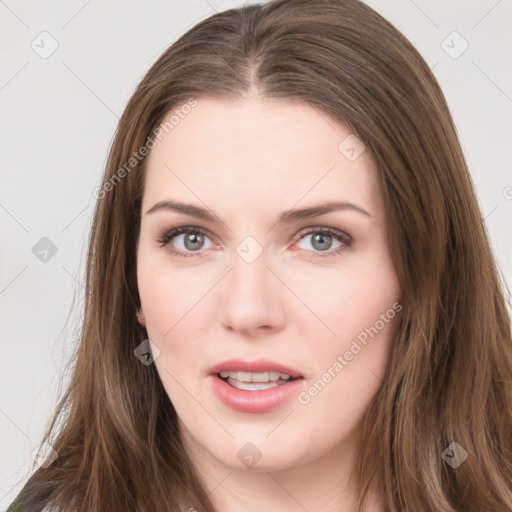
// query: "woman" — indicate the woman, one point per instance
point(287, 215)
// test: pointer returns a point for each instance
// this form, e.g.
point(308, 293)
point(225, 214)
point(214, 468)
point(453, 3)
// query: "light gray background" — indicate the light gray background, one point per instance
point(58, 118)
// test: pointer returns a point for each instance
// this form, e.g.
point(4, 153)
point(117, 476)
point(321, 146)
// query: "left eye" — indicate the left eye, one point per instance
point(322, 239)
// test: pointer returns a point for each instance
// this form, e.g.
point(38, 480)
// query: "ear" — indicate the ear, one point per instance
point(141, 318)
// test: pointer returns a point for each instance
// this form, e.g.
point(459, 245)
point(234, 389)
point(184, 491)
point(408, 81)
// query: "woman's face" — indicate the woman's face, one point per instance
point(270, 274)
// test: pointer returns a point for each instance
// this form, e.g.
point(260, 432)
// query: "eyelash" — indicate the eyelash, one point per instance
point(345, 239)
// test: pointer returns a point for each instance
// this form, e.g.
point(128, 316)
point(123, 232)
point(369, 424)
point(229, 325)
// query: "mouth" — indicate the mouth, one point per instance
point(252, 381)
point(255, 386)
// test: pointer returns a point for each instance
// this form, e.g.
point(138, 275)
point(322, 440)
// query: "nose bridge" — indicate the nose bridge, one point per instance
point(250, 297)
point(249, 277)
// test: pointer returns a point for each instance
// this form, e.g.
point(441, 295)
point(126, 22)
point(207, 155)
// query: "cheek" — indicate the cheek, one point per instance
point(170, 302)
point(165, 295)
point(177, 306)
point(359, 308)
point(349, 368)
point(353, 299)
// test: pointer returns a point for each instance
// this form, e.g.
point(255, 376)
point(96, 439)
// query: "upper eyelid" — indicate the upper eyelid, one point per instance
point(326, 229)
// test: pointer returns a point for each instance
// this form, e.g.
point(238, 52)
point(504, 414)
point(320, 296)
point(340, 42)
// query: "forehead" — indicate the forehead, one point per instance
point(255, 152)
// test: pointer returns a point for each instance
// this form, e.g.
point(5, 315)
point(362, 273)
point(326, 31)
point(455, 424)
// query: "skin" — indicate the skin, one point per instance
point(249, 160)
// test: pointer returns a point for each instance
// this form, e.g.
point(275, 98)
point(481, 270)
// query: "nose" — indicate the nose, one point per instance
point(251, 298)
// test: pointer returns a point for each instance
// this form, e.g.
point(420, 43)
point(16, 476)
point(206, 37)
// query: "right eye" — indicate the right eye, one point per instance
point(190, 239)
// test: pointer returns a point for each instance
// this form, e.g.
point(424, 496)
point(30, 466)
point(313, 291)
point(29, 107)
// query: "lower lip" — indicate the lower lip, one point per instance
point(264, 400)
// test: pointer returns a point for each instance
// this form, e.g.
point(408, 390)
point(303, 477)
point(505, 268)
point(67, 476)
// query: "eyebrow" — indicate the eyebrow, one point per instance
point(286, 217)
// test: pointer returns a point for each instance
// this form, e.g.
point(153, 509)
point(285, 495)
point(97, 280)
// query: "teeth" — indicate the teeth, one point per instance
point(251, 386)
point(254, 377)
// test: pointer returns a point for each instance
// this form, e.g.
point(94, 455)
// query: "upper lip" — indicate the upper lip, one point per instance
point(258, 366)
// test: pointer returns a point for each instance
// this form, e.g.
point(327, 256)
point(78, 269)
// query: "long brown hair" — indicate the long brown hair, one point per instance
point(450, 366)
